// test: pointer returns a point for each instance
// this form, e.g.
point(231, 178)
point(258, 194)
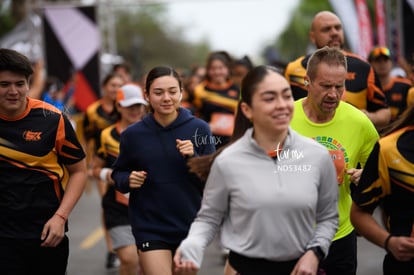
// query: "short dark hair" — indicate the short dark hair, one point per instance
point(126, 66)
point(13, 61)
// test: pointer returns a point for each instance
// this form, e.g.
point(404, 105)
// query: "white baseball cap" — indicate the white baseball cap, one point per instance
point(129, 95)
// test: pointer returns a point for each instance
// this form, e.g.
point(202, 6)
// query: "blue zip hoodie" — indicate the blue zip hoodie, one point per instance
point(168, 201)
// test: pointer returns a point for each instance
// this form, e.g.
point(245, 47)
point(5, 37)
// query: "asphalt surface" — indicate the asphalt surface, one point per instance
point(88, 249)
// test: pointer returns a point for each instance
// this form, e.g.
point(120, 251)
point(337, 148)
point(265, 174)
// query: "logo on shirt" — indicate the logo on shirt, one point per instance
point(350, 76)
point(32, 136)
point(338, 153)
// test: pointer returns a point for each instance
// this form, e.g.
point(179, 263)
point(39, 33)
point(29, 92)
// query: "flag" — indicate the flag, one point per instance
point(365, 28)
point(381, 23)
point(72, 44)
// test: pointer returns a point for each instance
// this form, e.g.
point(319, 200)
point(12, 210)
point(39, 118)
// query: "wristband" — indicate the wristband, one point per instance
point(61, 216)
point(104, 172)
point(387, 240)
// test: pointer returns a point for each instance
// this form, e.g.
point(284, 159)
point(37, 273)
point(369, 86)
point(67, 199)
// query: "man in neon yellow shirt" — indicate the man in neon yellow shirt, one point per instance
point(349, 136)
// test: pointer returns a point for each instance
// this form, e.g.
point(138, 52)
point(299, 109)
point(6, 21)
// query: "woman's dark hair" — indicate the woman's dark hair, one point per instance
point(248, 88)
point(201, 165)
point(160, 71)
point(224, 57)
point(245, 61)
point(404, 120)
point(108, 78)
point(157, 72)
point(126, 66)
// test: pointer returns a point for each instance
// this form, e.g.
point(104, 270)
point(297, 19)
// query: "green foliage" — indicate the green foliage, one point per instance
point(294, 41)
point(7, 22)
point(146, 39)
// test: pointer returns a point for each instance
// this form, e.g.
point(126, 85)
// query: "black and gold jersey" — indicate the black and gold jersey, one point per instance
point(96, 119)
point(363, 89)
point(295, 74)
point(114, 203)
point(388, 181)
point(217, 105)
point(34, 149)
point(108, 145)
point(397, 94)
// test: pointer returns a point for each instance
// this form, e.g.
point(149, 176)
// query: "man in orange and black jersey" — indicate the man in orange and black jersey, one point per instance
point(387, 181)
point(363, 89)
point(396, 89)
point(42, 175)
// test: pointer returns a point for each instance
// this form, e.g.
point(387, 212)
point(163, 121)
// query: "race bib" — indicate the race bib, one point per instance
point(222, 124)
point(122, 198)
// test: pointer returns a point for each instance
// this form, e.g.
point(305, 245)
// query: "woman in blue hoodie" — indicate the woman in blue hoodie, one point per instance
point(152, 165)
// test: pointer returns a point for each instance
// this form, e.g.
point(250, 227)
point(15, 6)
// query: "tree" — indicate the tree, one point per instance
point(294, 40)
point(146, 39)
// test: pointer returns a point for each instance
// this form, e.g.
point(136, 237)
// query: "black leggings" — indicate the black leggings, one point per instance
point(342, 256)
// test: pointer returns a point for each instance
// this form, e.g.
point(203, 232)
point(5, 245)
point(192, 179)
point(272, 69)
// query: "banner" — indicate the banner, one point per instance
point(381, 23)
point(365, 29)
point(72, 45)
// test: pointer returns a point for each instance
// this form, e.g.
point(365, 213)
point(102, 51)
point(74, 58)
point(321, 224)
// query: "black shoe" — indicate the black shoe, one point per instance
point(112, 260)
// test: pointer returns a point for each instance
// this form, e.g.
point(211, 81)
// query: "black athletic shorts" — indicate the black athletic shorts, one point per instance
point(157, 245)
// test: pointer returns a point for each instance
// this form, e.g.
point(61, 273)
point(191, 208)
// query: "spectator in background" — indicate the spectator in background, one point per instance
point(197, 75)
point(124, 71)
point(217, 96)
point(363, 89)
point(54, 93)
point(42, 175)
point(240, 68)
point(131, 107)
point(407, 66)
point(152, 166)
point(387, 182)
point(395, 88)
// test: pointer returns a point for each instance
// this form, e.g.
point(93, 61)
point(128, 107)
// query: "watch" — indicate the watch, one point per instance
point(318, 252)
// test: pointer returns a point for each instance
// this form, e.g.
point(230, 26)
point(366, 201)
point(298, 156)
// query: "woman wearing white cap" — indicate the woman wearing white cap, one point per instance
point(131, 107)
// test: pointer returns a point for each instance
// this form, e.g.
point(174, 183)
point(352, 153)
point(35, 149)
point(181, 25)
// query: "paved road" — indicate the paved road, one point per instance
point(88, 250)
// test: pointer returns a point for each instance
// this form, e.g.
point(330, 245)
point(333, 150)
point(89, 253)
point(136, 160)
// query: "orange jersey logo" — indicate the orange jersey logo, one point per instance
point(339, 162)
point(350, 76)
point(31, 136)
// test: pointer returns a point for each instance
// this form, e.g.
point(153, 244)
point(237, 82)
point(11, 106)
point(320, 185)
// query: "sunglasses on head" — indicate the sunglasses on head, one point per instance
point(380, 51)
